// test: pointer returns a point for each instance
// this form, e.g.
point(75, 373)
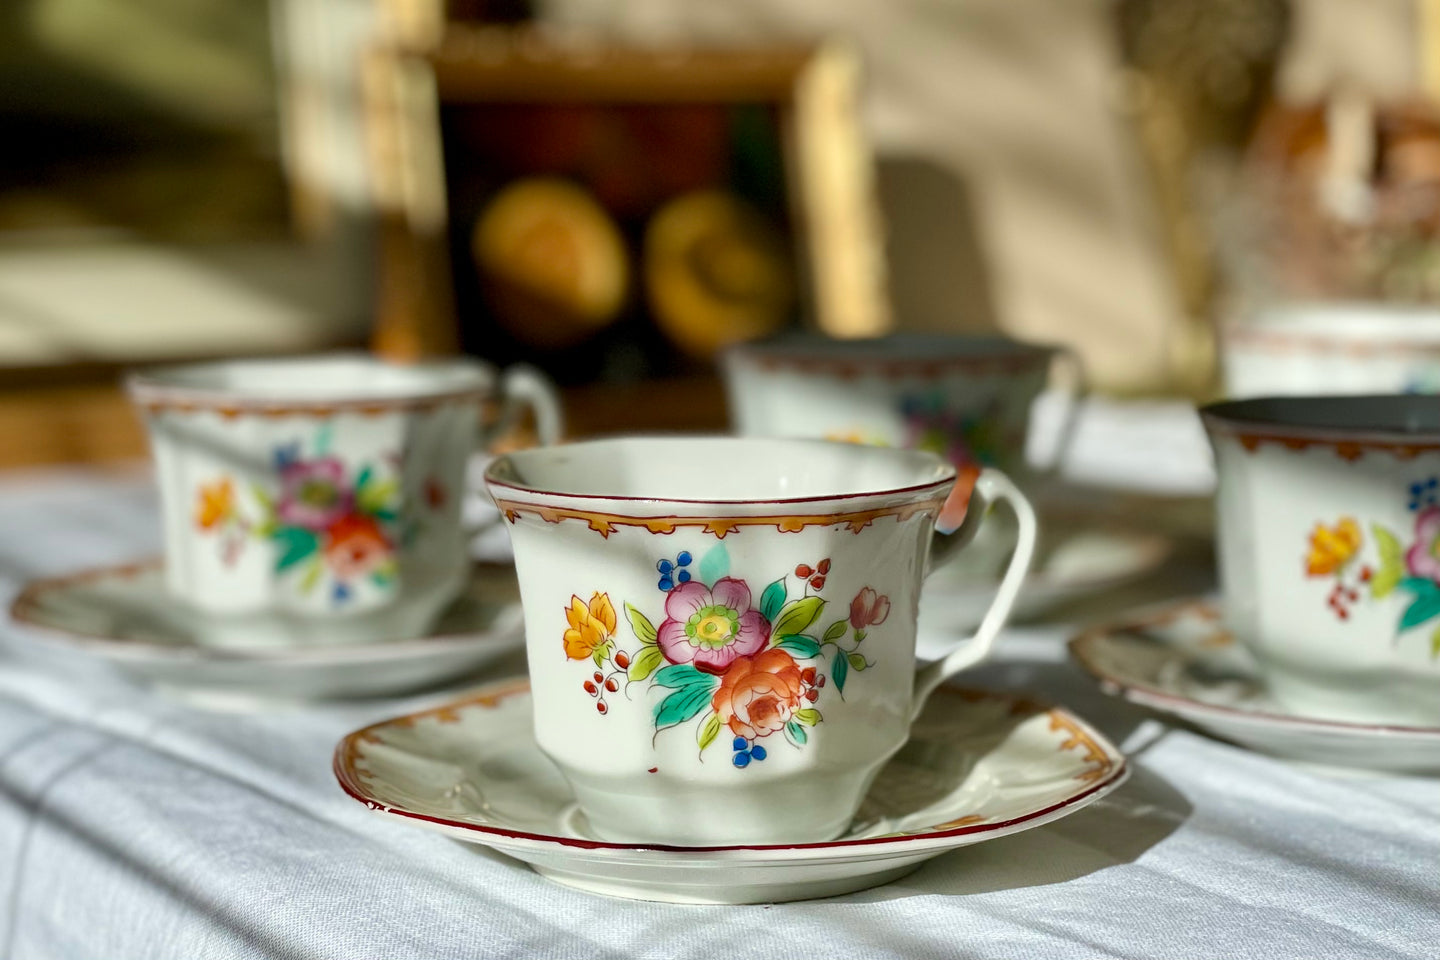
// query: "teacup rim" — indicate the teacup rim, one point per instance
point(1360, 328)
point(1241, 418)
point(920, 352)
point(154, 387)
point(947, 476)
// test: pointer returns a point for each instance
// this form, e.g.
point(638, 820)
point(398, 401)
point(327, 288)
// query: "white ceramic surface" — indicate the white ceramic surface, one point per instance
point(980, 766)
point(124, 616)
point(967, 399)
point(1073, 563)
point(1332, 348)
point(725, 623)
point(316, 500)
point(1329, 550)
point(1182, 661)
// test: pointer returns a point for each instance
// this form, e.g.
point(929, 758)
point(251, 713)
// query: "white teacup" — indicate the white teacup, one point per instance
point(965, 398)
point(1329, 550)
point(317, 500)
point(1332, 348)
point(721, 632)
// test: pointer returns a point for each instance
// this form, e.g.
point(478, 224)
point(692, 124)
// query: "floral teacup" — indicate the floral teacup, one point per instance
point(1329, 530)
point(721, 632)
point(1333, 348)
point(317, 500)
point(966, 398)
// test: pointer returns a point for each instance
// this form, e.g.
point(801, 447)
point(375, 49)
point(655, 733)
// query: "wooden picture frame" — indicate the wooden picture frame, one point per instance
point(808, 92)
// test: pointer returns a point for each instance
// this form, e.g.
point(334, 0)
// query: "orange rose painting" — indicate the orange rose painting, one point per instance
point(757, 697)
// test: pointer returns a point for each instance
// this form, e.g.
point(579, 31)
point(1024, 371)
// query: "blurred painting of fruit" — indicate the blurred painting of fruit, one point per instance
point(621, 215)
point(602, 240)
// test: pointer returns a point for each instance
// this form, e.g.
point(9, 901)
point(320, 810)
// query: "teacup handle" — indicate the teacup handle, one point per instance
point(989, 485)
point(1075, 394)
point(523, 387)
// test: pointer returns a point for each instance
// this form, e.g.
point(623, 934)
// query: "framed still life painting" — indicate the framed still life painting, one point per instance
point(616, 214)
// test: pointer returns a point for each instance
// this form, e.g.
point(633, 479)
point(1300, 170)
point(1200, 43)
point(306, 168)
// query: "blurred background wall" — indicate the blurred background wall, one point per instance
point(189, 177)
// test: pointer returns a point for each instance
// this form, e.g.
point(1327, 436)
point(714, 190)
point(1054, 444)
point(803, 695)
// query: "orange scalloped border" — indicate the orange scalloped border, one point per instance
point(1078, 736)
point(1348, 450)
point(719, 527)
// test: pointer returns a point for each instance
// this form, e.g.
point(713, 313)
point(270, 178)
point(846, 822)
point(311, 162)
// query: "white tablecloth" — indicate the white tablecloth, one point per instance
point(136, 826)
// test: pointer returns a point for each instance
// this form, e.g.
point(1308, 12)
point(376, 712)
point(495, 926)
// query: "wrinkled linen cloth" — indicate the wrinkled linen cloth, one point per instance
point(135, 824)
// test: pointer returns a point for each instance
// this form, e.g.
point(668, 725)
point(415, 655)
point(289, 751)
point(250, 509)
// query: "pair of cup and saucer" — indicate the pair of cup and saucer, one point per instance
point(723, 702)
point(1324, 646)
point(313, 533)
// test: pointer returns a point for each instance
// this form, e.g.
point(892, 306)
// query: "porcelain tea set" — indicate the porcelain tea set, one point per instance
point(723, 702)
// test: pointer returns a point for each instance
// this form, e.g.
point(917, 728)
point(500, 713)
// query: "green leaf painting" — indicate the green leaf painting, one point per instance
point(681, 675)
point(796, 616)
point(708, 731)
point(1426, 604)
point(714, 565)
point(374, 497)
point(802, 647)
point(603, 653)
point(772, 600)
point(681, 705)
point(839, 670)
point(293, 544)
point(645, 663)
point(644, 629)
point(1392, 563)
point(313, 571)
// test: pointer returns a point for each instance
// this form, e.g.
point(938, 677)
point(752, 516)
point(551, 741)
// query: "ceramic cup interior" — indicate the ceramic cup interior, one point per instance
point(716, 470)
point(338, 378)
point(721, 631)
point(1329, 549)
point(316, 500)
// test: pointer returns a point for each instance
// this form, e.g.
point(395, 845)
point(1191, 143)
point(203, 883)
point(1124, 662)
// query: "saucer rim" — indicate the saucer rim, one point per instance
point(875, 846)
point(22, 612)
point(1145, 694)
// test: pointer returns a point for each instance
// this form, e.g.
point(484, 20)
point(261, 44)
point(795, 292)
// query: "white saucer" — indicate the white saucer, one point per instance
point(1075, 563)
point(979, 766)
point(123, 616)
point(1181, 661)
